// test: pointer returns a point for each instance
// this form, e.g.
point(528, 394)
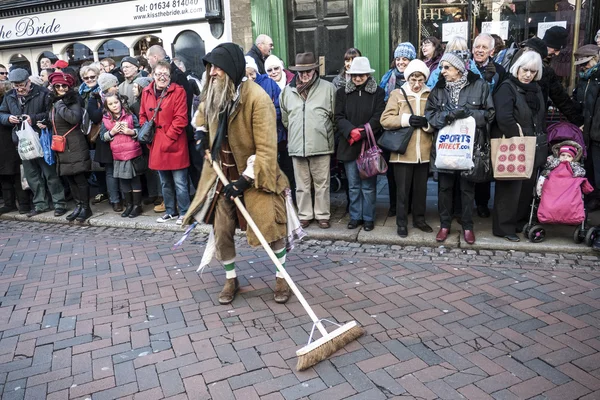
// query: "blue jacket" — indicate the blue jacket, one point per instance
point(273, 90)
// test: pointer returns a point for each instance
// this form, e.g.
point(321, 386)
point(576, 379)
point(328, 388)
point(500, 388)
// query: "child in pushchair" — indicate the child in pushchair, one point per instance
point(560, 188)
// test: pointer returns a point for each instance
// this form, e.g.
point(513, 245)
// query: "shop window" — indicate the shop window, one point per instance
point(142, 45)
point(189, 47)
point(20, 61)
point(46, 58)
point(78, 53)
point(113, 49)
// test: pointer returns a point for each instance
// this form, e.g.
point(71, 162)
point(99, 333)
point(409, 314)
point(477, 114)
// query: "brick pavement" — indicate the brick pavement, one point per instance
point(107, 313)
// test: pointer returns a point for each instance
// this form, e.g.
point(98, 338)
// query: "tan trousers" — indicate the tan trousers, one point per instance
point(224, 226)
point(309, 172)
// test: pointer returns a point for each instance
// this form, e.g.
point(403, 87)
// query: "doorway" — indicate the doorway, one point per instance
point(323, 27)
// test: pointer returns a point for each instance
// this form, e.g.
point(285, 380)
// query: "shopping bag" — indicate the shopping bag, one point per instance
point(46, 140)
point(454, 145)
point(513, 158)
point(29, 146)
point(370, 161)
point(24, 183)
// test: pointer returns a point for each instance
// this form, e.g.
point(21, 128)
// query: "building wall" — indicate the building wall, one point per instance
point(241, 23)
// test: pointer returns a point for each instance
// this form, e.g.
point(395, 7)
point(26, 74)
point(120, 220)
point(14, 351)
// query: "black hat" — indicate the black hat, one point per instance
point(537, 45)
point(230, 58)
point(556, 37)
point(130, 60)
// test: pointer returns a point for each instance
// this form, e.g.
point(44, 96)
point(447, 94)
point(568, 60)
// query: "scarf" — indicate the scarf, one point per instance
point(455, 87)
point(303, 88)
point(588, 74)
point(531, 94)
point(432, 63)
point(84, 88)
point(399, 78)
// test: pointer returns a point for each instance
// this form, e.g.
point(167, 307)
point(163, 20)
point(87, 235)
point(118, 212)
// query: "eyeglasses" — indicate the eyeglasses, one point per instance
point(60, 86)
point(359, 75)
point(273, 69)
point(162, 75)
point(415, 81)
point(89, 78)
point(3, 73)
point(447, 67)
point(20, 85)
point(310, 71)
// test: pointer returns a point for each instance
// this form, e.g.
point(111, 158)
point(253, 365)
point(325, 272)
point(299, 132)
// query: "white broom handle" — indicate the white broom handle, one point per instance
point(269, 251)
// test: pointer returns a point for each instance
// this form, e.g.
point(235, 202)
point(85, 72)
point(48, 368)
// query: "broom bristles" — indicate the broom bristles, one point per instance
point(309, 356)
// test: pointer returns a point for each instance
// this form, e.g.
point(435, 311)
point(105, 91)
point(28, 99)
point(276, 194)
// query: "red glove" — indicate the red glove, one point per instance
point(355, 135)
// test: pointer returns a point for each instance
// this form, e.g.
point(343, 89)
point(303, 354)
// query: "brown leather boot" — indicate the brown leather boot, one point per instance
point(229, 290)
point(282, 291)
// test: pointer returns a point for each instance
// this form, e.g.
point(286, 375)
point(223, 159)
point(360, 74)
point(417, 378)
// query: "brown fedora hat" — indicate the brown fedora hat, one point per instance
point(305, 62)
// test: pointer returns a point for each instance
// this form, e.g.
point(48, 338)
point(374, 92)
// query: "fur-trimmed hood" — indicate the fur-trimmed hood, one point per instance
point(370, 86)
point(71, 97)
point(471, 77)
point(556, 149)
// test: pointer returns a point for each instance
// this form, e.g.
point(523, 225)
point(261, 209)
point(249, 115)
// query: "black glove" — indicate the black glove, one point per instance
point(236, 188)
point(489, 72)
point(201, 140)
point(449, 118)
point(417, 122)
point(461, 113)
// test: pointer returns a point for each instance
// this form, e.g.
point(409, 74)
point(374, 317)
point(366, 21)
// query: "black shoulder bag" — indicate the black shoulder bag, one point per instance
point(397, 140)
point(148, 130)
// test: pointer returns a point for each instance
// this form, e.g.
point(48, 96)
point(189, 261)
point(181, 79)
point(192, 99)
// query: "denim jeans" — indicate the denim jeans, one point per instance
point(112, 184)
point(362, 193)
point(175, 184)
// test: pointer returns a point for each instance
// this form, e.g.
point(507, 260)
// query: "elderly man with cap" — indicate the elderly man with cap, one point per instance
point(31, 103)
point(236, 122)
point(129, 66)
point(308, 112)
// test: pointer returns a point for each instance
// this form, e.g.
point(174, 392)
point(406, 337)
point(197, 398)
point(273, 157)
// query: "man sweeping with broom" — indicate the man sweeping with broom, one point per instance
point(236, 119)
point(236, 122)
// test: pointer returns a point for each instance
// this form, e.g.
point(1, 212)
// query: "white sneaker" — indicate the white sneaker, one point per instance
point(179, 220)
point(165, 218)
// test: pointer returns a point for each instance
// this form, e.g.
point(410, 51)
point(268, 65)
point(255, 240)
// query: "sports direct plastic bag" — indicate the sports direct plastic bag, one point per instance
point(454, 145)
point(29, 146)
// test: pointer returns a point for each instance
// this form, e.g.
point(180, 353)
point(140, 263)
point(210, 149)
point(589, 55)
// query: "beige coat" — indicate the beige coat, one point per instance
point(397, 114)
point(252, 130)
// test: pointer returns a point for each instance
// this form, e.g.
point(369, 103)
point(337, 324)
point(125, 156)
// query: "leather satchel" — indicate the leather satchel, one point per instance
point(148, 130)
point(397, 140)
point(370, 162)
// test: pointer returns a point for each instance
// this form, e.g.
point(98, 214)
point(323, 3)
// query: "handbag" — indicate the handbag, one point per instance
point(370, 161)
point(148, 130)
point(59, 142)
point(482, 163)
point(140, 165)
point(513, 158)
point(397, 140)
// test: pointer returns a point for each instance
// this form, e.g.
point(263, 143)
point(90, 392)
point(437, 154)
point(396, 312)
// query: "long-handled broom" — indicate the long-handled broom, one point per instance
point(329, 343)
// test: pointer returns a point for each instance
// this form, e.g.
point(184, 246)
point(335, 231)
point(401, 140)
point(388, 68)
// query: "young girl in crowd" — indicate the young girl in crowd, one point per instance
point(120, 130)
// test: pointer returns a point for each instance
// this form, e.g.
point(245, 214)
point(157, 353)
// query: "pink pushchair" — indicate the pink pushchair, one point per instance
point(561, 201)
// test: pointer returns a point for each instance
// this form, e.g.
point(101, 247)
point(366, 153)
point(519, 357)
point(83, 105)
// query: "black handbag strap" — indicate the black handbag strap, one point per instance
point(407, 102)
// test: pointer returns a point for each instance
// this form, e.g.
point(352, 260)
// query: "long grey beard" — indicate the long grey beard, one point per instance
point(219, 94)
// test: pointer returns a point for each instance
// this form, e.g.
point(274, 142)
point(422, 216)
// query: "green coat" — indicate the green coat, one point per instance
point(252, 129)
point(310, 124)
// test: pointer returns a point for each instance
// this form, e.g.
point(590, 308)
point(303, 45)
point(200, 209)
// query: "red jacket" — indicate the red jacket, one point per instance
point(169, 149)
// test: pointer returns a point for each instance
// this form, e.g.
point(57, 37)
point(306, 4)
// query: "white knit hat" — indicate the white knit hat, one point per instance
point(416, 65)
point(273, 61)
point(250, 63)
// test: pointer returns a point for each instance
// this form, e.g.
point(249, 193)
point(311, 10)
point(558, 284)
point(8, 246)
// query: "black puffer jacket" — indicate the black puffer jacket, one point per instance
point(66, 116)
point(255, 53)
point(35, 105)
point(475, 97)
point(354, 107)
point(587, 95)
point(512, 109)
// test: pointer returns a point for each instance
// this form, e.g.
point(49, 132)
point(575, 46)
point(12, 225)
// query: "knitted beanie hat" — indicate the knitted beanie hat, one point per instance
point(569, 150)
point(251, 63)
point(454, 60)
point(143, 81)
point(556, 37)
point(405, 49)
point(416, 65)
point(106, 81)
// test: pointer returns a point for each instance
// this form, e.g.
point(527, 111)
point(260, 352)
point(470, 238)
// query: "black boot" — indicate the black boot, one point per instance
point(128, 204)
point(78, 205)
point(8, 194)
point(86, 210)
point(137, 202)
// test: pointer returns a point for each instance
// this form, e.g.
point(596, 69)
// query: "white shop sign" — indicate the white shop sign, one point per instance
point(500, 28)
point(100, 18)
point(452, 29)
point(544, 26)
